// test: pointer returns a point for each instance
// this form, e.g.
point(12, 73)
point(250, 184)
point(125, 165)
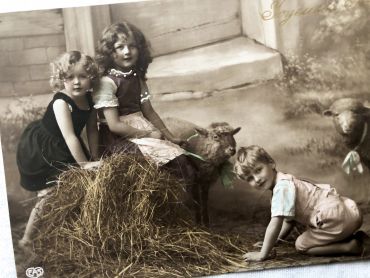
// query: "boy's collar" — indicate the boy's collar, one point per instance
point(282, 176)
point(275, 179)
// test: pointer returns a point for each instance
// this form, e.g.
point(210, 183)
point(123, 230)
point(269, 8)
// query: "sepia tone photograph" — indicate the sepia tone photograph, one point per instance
point(183, 138)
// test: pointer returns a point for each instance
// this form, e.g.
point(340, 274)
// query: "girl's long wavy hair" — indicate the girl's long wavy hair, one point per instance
point(109, 37)
point(65, 62)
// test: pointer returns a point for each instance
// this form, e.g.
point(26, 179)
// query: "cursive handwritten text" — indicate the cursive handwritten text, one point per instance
point(277, 11)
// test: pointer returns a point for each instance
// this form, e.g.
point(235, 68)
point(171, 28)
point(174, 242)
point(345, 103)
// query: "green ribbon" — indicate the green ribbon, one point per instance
point(227, 174)
point(194, 155)
point(226, 171)
point(352, 163)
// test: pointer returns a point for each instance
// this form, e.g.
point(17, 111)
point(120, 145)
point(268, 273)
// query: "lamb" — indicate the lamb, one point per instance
point(352, 121)
point(209, 149)
point(214, 146)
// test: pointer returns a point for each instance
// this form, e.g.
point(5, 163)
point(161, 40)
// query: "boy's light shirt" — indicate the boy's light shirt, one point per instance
point(283, 199)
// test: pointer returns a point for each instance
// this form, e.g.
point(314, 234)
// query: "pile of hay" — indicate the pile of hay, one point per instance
point(126, 219)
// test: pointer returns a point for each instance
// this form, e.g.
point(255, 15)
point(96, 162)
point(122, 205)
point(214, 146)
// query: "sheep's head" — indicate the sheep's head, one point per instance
point(215, 144)
point(349, 116)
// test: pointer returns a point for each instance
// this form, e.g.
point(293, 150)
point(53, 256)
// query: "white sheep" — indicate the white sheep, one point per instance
point(352, 121)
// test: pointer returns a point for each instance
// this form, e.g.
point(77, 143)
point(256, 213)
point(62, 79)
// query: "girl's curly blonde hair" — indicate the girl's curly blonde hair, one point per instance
point(64, 63)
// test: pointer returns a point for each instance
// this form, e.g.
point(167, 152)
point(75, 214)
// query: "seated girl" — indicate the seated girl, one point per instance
point(123, 98)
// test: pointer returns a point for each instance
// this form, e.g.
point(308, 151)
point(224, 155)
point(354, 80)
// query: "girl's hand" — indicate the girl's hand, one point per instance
point(177, 141)
point(156, 134)
point(90, 165)
point(253, 257)
point(258, 244)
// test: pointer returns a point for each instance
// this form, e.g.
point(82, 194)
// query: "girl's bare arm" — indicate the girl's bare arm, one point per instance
point(64, 119)
point(153, 117)
point(116, 126)
point(92, 135)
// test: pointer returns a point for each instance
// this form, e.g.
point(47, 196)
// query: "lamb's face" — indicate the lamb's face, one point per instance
point(215, 144)
point(348, 117)
point(348, 122)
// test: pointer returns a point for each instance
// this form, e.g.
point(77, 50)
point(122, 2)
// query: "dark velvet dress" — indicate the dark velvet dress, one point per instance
point(42, 152)
point(127, 97)
point(128, 92)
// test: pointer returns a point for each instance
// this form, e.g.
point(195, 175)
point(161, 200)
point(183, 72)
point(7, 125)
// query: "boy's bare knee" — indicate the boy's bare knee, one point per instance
point(299, 246)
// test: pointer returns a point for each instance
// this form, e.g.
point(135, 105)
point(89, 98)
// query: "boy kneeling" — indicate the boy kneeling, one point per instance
point(331, 220)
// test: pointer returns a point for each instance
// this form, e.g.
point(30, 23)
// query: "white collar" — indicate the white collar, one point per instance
point(119, 73)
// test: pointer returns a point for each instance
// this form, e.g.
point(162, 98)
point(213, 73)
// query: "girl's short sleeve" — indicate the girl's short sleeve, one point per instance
point(144, 92)
point(283, 199)
point(105, 94)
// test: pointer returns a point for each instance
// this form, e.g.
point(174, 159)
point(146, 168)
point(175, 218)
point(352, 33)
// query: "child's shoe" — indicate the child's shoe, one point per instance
point(25, 245)
point(364, 240)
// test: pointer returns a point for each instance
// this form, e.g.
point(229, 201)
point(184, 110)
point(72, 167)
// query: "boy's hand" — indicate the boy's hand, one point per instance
point(253, 257)
point(257, 256)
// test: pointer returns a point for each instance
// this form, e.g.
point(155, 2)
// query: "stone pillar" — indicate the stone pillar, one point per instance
point(83, 26)
point(255, 25)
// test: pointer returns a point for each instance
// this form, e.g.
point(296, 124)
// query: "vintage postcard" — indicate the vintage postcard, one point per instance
point(185, 138)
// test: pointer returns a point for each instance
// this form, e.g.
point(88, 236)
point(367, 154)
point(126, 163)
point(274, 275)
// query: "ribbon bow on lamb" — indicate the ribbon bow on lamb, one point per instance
point(352, 162)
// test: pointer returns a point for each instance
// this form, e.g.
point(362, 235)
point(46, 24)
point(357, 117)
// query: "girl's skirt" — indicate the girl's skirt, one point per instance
point(155, 150)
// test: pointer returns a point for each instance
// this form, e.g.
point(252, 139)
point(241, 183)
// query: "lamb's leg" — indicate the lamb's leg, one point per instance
point(181, 167)
point(366, 162)
point(196, 202)
point(204, 204)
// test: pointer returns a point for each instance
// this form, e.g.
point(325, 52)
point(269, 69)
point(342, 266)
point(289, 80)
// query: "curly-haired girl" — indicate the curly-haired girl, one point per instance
point(123, 98)
point(49, 145)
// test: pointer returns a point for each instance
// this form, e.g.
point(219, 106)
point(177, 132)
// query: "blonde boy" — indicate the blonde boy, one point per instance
point(331, 219)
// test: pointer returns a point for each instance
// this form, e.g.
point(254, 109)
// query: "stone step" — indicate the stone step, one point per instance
point(213, 67)
point(195, 73)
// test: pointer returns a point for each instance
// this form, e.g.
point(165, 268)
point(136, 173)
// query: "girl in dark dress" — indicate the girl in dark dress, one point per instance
point(49, 145)
point(123, 99)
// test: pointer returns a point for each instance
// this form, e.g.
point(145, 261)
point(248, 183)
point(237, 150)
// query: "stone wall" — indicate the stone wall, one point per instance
point(29, 41)
point(175, 25)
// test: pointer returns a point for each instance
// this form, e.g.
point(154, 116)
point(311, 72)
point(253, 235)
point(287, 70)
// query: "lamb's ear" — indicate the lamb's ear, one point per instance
point(328, 113)
point(236, 130)
point(201, 131)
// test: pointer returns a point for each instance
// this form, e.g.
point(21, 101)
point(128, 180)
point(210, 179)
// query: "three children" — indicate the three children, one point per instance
point(125, 112)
